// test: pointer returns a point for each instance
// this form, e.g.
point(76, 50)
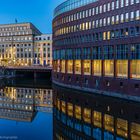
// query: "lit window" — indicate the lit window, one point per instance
point(126, 2)
point(135, 131)
point(104, 35)
point(109, 123)
point(131, 2)
point(132, 16)
point(117, 4)
point(77, 66)
point(108, 35)
point(109, 67)
point(137, 15)
point(122, 127)
point(77, 112)
point(63, 66)
point(97, 67)
point(135, 66)
point(97, 119)
point(126, 17)
point(87, 115)
point(113, 5)
point(117, 19)
point(104, 8)
point(63, 106)
point(87, 68)
point(122, 3)
point(122, 18)
point(70, 66)
point(122, 68)
point(70, 109)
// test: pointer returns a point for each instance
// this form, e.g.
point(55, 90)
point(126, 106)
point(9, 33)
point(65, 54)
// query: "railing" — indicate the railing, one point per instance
point(29, 67)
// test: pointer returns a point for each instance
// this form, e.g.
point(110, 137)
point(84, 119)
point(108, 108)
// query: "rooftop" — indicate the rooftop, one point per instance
point(71, 5)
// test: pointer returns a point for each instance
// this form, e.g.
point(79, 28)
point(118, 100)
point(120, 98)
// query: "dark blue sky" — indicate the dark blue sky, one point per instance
point(39, 12)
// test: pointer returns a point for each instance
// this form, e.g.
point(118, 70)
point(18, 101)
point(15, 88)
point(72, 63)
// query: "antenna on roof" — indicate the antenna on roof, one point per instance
point(16, 21)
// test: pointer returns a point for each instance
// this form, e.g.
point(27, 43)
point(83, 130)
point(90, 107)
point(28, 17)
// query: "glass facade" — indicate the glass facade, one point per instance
point(70, 5)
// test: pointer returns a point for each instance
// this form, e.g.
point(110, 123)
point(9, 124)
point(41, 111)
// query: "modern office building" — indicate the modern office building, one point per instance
point(18, 45)
point(96, 46)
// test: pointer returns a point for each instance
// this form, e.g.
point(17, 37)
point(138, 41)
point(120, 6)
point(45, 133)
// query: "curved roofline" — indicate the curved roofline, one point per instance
point(69, 5)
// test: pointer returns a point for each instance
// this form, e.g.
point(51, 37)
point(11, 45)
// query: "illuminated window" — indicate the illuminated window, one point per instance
point(87, 68)
point(70, 66)
point(77, 112)
point(126, 17)
point(117, 4)
point(135, 66)
point(97, 116)
point(54, 65)
point(126, 2)
point(109, 123)
point(113, 20)
point(131, 2)
point(122, 68)
point(122, 18)
point(109, 67)
point(117, 19)
point(77, 66)
point(135, 131)
point(87, 115)
point(58, 65)
point(97, 67)
point(104, 35)
point(108, 35)
point(70, 109)
point(63, 106)
point(108, 20)
point(132, 16)
point(63, 66)
point(58, 104)
point(104, 22)
point(122, 127)
point(137, 15)
point(122, 3)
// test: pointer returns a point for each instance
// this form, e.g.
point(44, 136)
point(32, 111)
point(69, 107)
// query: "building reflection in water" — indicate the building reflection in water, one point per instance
point(79, 116)
point(22, 104)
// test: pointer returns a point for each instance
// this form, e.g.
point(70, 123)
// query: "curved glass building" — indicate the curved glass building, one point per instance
point(96, 46)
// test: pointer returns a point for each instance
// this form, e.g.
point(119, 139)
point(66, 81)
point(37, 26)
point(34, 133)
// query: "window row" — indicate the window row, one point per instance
point(95, 11)
point(95, 118)
point(15, 33)
point(116, 19)
point(99, 36)
point(26, 38)
point(111, 68)
point(122, 51)
point(17, 28)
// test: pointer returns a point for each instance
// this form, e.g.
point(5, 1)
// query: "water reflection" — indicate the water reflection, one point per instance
point(26, 110)
point(79, 116)
point(34, 110)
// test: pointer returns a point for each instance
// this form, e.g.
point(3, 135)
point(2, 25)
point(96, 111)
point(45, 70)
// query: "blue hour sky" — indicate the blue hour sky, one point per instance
point(39, 12)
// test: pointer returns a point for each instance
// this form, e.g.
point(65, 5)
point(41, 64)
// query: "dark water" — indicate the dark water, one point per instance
point(38, 110)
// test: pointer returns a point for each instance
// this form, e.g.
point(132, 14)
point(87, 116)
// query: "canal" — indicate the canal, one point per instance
point(38, 110)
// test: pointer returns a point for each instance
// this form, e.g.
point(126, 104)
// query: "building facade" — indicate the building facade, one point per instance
point(17, 44)
point(43, 50)
point(96, 46)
